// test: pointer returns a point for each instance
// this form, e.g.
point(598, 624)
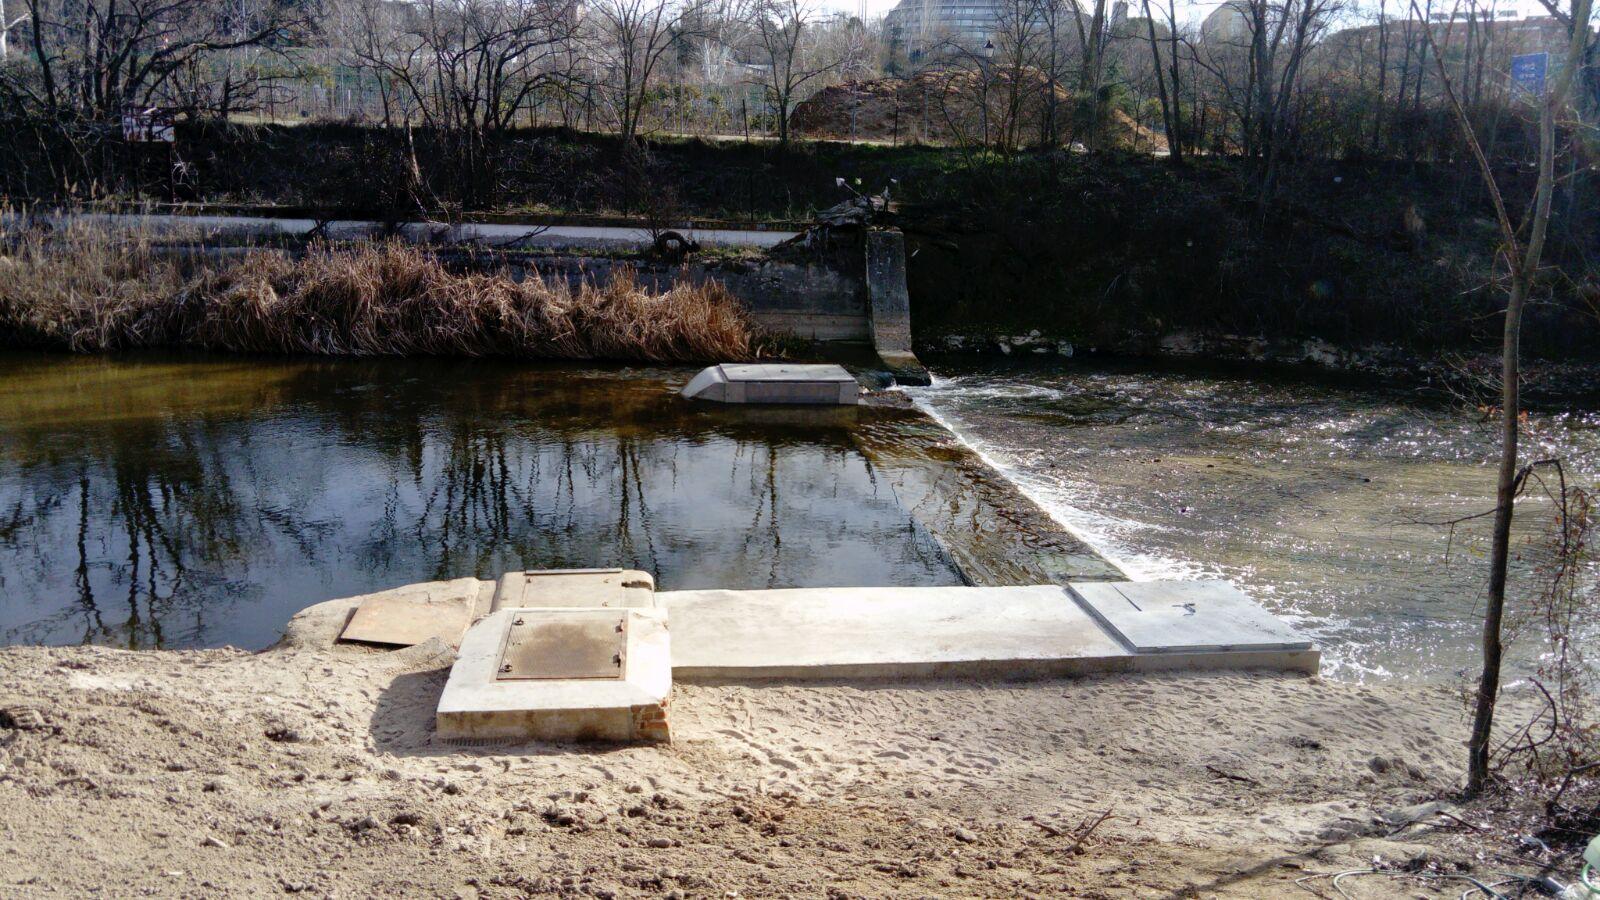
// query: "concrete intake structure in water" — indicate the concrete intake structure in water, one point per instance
point(809, 385)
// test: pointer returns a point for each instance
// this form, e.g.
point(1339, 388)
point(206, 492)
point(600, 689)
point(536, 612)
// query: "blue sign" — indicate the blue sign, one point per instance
point(1528, 71)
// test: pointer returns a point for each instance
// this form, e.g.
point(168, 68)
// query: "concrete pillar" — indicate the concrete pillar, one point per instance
point(889, 305)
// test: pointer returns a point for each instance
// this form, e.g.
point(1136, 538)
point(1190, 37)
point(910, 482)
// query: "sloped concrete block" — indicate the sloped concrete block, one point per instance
point(806, 385)
point(890, 306)
point(561, 675)
point(1185, 617)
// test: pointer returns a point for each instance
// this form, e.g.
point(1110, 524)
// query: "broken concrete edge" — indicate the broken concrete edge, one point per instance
point(476, 705)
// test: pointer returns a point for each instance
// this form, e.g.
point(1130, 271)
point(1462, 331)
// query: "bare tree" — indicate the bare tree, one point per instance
point(784, 34)
point(1055, 61)
point(1092, 37)
point(467, 67)
point(92, 60)
point(7, 23)
point(1020, 49)
point(1167, 83)
point(1522, 259)
point(630, 41)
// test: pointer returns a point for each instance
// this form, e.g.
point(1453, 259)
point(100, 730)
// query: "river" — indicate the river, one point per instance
point(1312, 494)
point(181, 501)
point(153, 501)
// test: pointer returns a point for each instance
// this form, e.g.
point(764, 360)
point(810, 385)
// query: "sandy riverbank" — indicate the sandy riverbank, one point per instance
point(219, 772)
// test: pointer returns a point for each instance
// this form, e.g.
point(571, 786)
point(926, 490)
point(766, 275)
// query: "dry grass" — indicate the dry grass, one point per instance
point(89, 290)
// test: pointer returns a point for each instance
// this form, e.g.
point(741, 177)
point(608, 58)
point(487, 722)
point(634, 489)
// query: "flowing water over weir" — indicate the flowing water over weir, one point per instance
point(1310, 495)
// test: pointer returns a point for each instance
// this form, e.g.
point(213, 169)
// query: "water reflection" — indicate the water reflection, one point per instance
point(180, 502)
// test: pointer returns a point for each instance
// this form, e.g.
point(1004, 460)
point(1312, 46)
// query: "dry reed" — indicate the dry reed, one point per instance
point(88, 290)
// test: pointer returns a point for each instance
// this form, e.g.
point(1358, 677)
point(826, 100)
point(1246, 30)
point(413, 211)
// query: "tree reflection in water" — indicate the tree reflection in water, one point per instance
point(159, 502)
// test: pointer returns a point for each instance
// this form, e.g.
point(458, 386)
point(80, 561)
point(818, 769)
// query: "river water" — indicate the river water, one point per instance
point(194, 501)
point(1310, 494)
point(176, 502)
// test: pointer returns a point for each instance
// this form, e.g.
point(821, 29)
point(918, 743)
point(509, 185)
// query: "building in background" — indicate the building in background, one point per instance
point(918, 29)
point(919, 32)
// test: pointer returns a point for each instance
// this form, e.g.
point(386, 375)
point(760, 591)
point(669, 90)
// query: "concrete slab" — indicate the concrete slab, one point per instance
point(831, 633)
point(403, 622)
point(551, 705)
point(1185, 616)
point(880, 631)
point(823, 384)
point(606, 588)
point(410, 615)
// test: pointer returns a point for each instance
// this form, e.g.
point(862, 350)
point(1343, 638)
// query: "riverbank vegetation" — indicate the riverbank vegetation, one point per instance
point(90, 290)
point(1118, 251)
point(1316, 185)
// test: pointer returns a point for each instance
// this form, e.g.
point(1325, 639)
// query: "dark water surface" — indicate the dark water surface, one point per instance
point(176, 502)
point(1311, 494)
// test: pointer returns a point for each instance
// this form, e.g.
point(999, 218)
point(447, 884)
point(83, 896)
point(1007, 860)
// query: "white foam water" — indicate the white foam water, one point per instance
point(1113, 538)
point(1106, 535)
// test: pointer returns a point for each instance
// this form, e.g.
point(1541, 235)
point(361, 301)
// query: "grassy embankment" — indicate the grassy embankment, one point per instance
point(1105, 250)
point(88, 290)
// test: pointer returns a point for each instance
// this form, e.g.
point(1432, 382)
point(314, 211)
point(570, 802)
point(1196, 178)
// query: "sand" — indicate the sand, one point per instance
point(308, 770)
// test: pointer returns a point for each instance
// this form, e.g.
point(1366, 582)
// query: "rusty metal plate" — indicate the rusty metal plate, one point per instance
point(405, 621)
point(554, 645)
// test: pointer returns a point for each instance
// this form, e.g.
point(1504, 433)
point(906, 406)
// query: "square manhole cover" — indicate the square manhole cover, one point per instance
point(551, 645)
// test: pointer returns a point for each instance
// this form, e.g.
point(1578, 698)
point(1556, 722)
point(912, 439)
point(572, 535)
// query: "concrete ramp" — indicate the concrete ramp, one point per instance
point(1185, 616)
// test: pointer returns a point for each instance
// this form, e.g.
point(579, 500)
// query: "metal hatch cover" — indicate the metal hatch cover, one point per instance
point(558, 644)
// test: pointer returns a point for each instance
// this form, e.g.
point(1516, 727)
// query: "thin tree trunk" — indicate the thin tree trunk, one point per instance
point(1174, 152)
point(1524, 263)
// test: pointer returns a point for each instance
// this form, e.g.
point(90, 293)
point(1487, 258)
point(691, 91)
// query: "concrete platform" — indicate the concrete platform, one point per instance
point(560, 675)
point(615, 588)
point(806, 385)
point(831, 633)
point(405, 616)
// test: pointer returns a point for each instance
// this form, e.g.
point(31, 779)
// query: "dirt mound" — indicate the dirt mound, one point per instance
point(952, 106)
